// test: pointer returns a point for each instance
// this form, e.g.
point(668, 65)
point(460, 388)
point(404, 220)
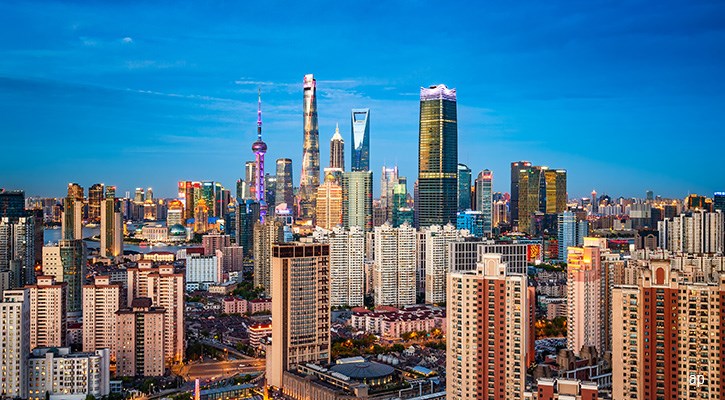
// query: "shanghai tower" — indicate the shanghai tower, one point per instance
point(310, 178)
point(437, 200)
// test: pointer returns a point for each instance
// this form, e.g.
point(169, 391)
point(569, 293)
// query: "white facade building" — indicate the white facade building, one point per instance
point(394, 269)
point(68, 376)
point(347, 259)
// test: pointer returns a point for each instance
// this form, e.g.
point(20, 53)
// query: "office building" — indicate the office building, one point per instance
point(111, 229)
point(175, 214)
point(484, 199)
point(718, 201)
point(541, 190)
point(72, 219)
point(516, 168)
point(388, 180)
point(140, 346)
point(566, 233)
point(668, 334)
point(66, 263)
point(394, 282)
point(337, 150)
point(17, 249)
point(101, 300)
point(329, 204)
point(472, 221)
point(15, 343)
point(347, 265)
point(464, 188)
point(12, 203)
point(96, 193)
point(437, 199)
point(310, 178)
point(357, 199)
point(284, 193)
point(165, 288)
point(48, 321)
point(437, 255)
point(300, 308)
point(360, 124)
point(57, 373)
point(265, 237)
point(489, 332)
point(247, 216)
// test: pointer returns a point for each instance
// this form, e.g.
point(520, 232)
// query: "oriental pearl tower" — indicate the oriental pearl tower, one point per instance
point(259, 148)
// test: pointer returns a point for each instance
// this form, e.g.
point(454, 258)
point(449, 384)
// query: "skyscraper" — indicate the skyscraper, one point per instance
point(357, 199)
point(360, 122)
point(489, 333)
point(66, 262)
point(329, 204)
point(464, 188)
point(541, 190)
point(437, 260)
point(566, 233)
point(111, 228)
point(585, 299)
point(300, 308)
point(140, 342)
point(394, 268)
point(72, 219)
point(484, 199)
point(284, 194)
point(401, 211)
point(96, 193)
point(347, 257)
point(388, 180)
point(437, 199)
point(75, 191)
point(15, 346)
point(101, 300)
point(516, 168)
point(259, 148)
point(266, 235)
point(337, 150)
point(310, 178)
point(17, 249)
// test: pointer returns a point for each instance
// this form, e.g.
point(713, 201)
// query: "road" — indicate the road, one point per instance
point(231, 350)
point(213, 370)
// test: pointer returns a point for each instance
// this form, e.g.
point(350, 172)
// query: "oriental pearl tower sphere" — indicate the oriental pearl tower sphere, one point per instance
point(259, 148)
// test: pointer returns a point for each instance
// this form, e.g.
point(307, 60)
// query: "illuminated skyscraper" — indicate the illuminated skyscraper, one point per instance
point(95, 195)
point(66, 262)
point(111, 228)
point(357, 199)
point(284, 193)
point(437, 199)
point(388, 180)
point(541, 190)
point(360, 122)
point(516, 168)
point(72, 219)
point(329, 204)
point(17, 249)
point(484, 199)
point(464, 188)
point(75, 191)
point(310, 178)
point(337, 150)
point(259, 148)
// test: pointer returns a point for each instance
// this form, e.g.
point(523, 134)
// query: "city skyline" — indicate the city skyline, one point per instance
point(131, 98)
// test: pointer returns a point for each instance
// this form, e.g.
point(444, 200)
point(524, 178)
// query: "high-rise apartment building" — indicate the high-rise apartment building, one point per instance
point(140, 346)
point(165, 288)
point(266, 235)
point(284, 193)
point(464, 188)
point(310, 178)
point(300, 308)
point(48, 321)
point(437, 261)
point(360, 124)
point(329, 204)
point(394, 282)
point(337, 150)
point(215, 241)
point(484, 199)
point(489, 332)
point(111, 229)
point(437, 199)
point(516, 168)
point(66, 262)
point(668, 334)
point(585, 299)
point(15, 343)
point(357, 199)
point(101, 300)
point(347, 266)
point(693, 232)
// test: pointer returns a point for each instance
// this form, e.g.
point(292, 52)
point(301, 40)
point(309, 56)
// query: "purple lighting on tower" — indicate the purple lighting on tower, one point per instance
point(259, 148)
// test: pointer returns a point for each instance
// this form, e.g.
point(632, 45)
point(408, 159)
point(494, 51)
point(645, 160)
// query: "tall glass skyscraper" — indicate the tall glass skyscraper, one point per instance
point(310, 178)
point(464, 187)
point(284, 192)
point(360, 139)
point(516, 168)
point(484, 199)
point(357, 199)
point(437, 199)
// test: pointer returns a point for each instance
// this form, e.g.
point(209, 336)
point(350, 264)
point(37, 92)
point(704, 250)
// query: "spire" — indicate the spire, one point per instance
point(259, 113)
point(337, 135)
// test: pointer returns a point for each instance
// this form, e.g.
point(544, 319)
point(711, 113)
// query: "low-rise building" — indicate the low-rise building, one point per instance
point(59, 374)
point(390, 322)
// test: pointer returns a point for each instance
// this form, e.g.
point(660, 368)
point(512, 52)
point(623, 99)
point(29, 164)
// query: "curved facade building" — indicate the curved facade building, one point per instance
point(360, 121)
point(310, 178)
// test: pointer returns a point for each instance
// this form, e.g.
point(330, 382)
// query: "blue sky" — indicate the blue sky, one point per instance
point(627, 96)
